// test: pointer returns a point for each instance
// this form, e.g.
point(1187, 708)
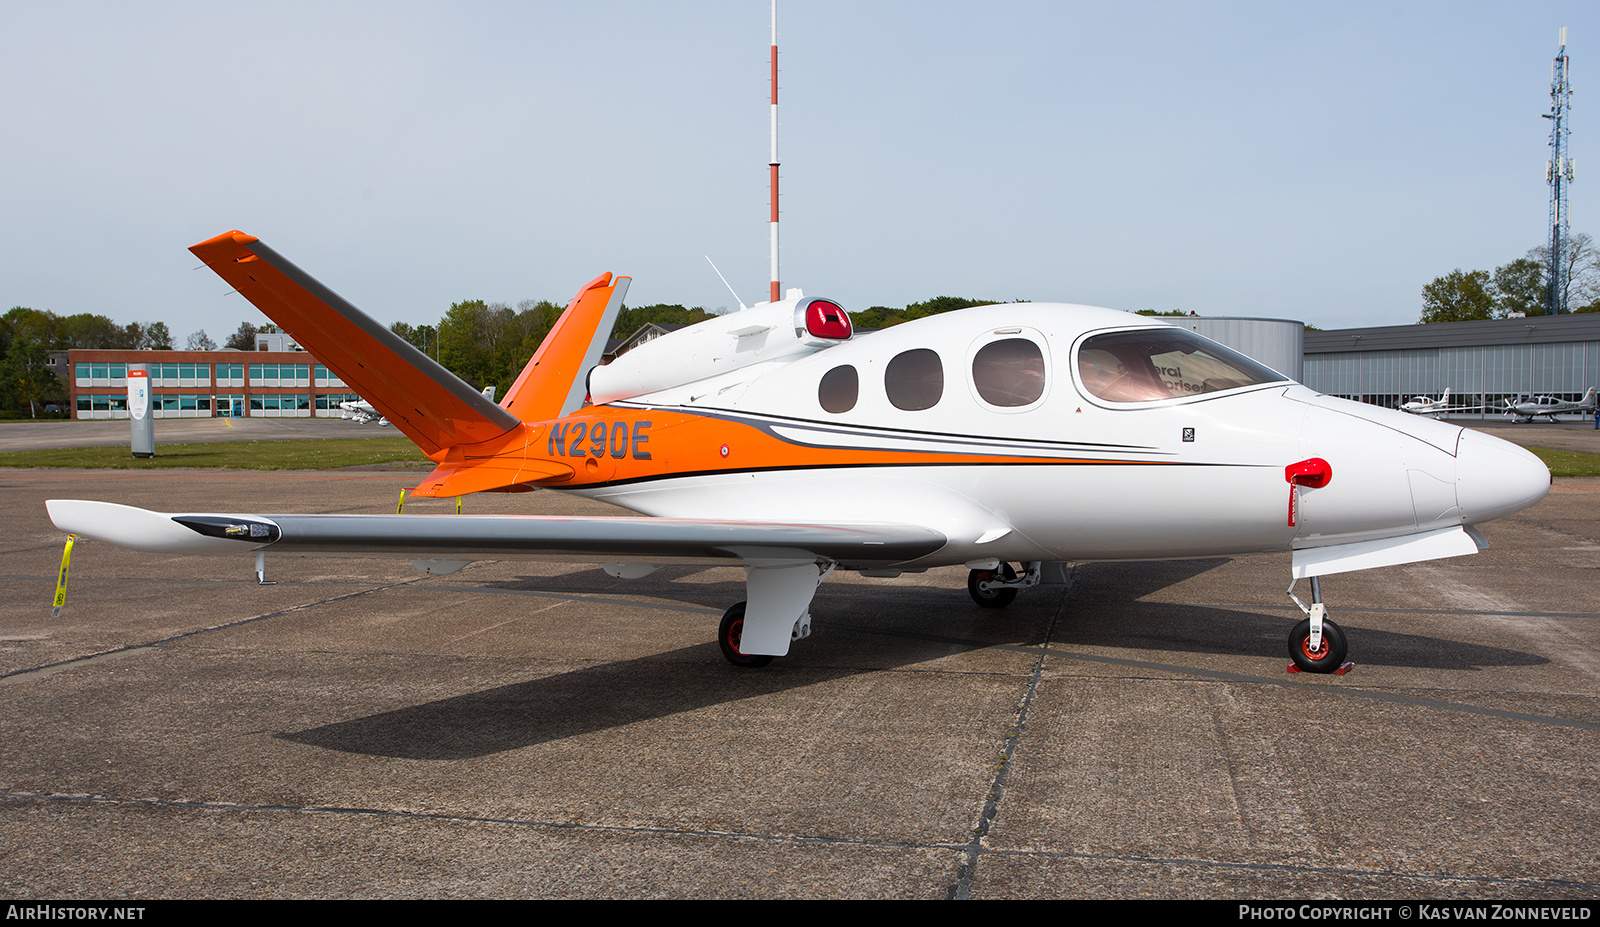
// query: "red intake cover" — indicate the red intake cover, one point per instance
point(1313, 472)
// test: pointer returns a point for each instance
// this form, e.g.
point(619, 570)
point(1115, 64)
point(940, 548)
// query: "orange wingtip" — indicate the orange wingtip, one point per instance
point(227, 241)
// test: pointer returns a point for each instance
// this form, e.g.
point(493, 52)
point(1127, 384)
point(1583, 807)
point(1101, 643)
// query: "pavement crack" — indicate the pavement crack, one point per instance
point(453, 817)
point(45, 669)
point(1510, 883)
point(975, 848)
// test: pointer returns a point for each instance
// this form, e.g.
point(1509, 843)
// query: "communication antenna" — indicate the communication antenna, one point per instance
point(772, 164)
point(1558, 173)
point(726, 283)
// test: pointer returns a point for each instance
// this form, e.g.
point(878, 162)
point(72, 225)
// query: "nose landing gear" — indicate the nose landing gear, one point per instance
point(1316, 645)
point(1326, 657)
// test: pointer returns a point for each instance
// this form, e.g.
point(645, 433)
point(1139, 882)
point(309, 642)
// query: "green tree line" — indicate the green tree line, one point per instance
point(27, 336)
point(487, 343)
point(1518, 286)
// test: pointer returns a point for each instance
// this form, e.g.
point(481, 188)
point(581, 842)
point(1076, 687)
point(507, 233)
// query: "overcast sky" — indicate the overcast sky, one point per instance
point(1317, 162)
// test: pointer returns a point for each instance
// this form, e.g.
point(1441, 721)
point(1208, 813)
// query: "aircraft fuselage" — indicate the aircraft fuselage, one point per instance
point(1053, 470)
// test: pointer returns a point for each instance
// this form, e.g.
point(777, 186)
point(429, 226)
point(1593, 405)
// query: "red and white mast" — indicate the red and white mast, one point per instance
point(772, 165)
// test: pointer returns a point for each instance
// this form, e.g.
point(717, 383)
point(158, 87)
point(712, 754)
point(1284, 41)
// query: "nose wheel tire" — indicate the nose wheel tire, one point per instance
point(729, 634)
point(993, 598)
point(1326, 659)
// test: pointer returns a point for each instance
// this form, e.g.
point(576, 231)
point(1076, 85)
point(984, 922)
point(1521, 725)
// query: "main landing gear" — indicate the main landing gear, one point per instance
point(1316, 645)
point(995, 584)
point(776, 613)
point(729, 634)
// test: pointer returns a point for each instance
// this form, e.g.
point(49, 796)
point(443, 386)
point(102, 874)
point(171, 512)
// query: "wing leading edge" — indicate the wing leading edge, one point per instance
point(653, 540)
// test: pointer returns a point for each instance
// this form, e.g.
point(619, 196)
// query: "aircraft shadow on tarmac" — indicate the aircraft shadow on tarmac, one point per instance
point(860, 633)
point(1104, 609)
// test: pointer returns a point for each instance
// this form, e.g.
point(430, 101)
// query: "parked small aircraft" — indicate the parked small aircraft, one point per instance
point(1548, 407)
point(1423, 405)
point(361, 412)
point(1014, 434)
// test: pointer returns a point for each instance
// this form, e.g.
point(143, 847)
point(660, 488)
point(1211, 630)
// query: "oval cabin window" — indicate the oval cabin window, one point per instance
point(839, 388)
point(914, 380)
point(1009, 373)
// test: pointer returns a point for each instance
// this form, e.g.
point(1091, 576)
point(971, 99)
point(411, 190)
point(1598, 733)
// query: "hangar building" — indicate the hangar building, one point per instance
point(1481, 363)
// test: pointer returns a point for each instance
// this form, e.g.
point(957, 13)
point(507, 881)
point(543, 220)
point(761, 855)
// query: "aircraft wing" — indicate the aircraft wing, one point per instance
point(470, 537)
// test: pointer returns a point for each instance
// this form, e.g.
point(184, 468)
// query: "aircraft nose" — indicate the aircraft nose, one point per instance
point(1495, 478)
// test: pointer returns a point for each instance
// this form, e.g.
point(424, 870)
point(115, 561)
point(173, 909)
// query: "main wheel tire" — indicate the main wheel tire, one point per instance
point(1324, 660)
point(994, 598)
point(729, 634)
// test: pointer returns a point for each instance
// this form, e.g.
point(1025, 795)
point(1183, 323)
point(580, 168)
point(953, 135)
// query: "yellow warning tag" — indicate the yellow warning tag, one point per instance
point(399, 509)
point(458, 505)
point(61, 578)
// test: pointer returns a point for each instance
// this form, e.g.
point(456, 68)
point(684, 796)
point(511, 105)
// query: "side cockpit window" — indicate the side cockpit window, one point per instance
point(1151, 364)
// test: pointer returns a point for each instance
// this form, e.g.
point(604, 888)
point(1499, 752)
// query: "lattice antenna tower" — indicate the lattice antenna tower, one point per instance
point(1558, 173)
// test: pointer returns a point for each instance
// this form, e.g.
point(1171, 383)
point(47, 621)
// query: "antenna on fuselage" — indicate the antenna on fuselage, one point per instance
point(726, 283)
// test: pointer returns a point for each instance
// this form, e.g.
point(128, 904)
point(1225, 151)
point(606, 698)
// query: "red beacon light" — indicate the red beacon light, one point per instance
point(822, 318)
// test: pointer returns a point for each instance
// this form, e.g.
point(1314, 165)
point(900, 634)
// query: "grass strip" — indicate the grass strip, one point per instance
point(318, 454)
point(1568, 463)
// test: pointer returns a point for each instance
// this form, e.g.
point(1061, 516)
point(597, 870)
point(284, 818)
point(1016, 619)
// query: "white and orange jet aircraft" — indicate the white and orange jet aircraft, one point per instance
point(1027, 433)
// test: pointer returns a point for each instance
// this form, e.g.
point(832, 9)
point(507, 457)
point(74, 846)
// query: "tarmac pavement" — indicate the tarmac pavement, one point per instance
point(531, 730)
point(1565, 435)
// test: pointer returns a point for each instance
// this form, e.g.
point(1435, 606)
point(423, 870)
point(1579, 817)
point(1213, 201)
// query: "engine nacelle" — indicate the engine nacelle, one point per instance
point(764, 332)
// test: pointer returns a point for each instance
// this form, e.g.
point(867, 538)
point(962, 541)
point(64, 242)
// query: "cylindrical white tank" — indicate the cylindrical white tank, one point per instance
point(1278, 343)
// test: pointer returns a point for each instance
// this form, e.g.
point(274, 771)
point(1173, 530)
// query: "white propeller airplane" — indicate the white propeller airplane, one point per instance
point(1549, 407)
point(1025, 433)
point(1423, 405)
point(361, 412)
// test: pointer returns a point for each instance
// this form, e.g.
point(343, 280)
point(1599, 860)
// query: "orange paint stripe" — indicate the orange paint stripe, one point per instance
point(679, 443)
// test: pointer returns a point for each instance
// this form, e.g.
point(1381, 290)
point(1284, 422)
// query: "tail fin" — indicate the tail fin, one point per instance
point(431, 405)
point(554, 382)
point(1590, 400)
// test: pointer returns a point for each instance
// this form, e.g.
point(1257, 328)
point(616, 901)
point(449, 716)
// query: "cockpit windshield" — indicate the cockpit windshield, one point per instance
point(1164, 363)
